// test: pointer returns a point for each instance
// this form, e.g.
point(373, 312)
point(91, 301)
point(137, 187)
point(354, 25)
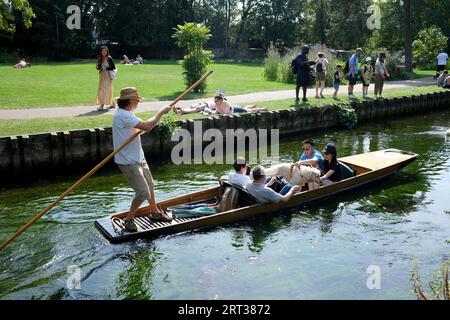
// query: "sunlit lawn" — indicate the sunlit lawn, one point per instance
point(29, 126)
point(75, 84)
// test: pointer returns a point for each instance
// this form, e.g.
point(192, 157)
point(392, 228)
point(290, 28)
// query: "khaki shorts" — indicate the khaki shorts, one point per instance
point(140, 179)
point(320, 76)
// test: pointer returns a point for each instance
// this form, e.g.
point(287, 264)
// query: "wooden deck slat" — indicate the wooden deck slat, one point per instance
point(141, 224)
point(144, 222)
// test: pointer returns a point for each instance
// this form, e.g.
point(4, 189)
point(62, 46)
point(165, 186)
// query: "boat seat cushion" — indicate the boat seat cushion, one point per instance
point(245, 198)
point(346, 171)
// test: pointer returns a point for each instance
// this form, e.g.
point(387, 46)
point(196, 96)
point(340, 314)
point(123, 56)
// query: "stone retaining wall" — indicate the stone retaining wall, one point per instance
point(59, 152)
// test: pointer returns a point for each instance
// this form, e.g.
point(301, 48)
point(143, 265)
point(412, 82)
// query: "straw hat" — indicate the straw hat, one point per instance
point(129, 93)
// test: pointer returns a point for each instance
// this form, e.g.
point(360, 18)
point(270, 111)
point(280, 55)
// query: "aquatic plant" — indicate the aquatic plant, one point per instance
point(347, 116)
point(439, 285)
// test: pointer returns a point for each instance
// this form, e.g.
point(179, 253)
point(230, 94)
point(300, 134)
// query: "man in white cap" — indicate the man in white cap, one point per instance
point(131, 159)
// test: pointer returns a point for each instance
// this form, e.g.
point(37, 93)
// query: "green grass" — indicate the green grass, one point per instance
point(39, 125)
point(75, 84)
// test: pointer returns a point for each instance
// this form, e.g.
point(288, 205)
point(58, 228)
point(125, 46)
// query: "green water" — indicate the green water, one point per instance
point(319, 251)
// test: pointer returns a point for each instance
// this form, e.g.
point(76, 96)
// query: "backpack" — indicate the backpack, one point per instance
point(319, 66)
point(294, 66)
point(347, 67)
point(229, 200)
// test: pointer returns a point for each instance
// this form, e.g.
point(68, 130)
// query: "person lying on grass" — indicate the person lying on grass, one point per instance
point(207, 107)
point(223, 107)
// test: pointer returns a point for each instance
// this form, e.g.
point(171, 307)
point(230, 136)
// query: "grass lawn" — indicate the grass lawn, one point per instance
point(75, 84)
point(29, 126)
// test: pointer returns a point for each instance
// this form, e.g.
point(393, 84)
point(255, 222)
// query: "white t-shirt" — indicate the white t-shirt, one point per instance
point(380, 67)
point(123, 128)
point(239, 179)
point(442, 59)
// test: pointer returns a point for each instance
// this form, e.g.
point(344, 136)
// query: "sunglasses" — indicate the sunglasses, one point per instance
point(307, 149)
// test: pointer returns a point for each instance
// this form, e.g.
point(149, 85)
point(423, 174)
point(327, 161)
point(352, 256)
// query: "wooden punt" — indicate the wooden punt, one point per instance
point(368, 168)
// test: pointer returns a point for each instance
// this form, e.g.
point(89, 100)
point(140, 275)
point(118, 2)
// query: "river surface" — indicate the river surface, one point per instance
point(319, 251)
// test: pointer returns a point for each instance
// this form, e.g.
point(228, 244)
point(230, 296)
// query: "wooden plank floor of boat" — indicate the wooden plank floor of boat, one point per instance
point(114, 229)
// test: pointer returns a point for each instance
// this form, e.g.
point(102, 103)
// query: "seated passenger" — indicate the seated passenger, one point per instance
point(240, 177)
point(332, 170)
point(263, 193)
point(310, 156)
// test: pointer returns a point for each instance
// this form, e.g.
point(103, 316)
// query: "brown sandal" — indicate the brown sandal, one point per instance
point(163, 216)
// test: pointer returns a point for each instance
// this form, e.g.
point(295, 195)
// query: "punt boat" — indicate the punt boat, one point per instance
point(365, 169)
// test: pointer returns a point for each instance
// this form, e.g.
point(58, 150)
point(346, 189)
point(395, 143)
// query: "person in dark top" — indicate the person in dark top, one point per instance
point(303, 73)
point(332, 170)
point(338, 76)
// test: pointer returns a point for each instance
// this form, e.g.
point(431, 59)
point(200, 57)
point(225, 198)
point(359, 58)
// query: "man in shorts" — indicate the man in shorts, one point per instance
point(321, 74)
point(131, 159)
point(353, 72)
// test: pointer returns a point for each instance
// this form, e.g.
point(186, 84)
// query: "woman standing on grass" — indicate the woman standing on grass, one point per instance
point(106, 68)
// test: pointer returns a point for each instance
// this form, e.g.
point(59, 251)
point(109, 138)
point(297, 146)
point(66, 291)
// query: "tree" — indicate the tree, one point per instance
point(192, 37)
point(8, 12)
point(408, 36)
point(348, 20)
point(427, 45)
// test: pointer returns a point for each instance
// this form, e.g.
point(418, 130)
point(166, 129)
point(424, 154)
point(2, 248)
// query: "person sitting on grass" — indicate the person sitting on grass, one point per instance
point(338, 76)
point(223, 107)
point(441, 79)
point(126, 60)
point(139, 59)
point(446, 83)
point(367, 75)
point(332, 170)
point(262, 191)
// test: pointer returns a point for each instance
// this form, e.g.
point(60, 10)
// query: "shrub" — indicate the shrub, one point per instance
point(347, 116)
point(192, 37)
point(286, 74)
point(167, 126)
point(427, 45)
point(272, 64)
